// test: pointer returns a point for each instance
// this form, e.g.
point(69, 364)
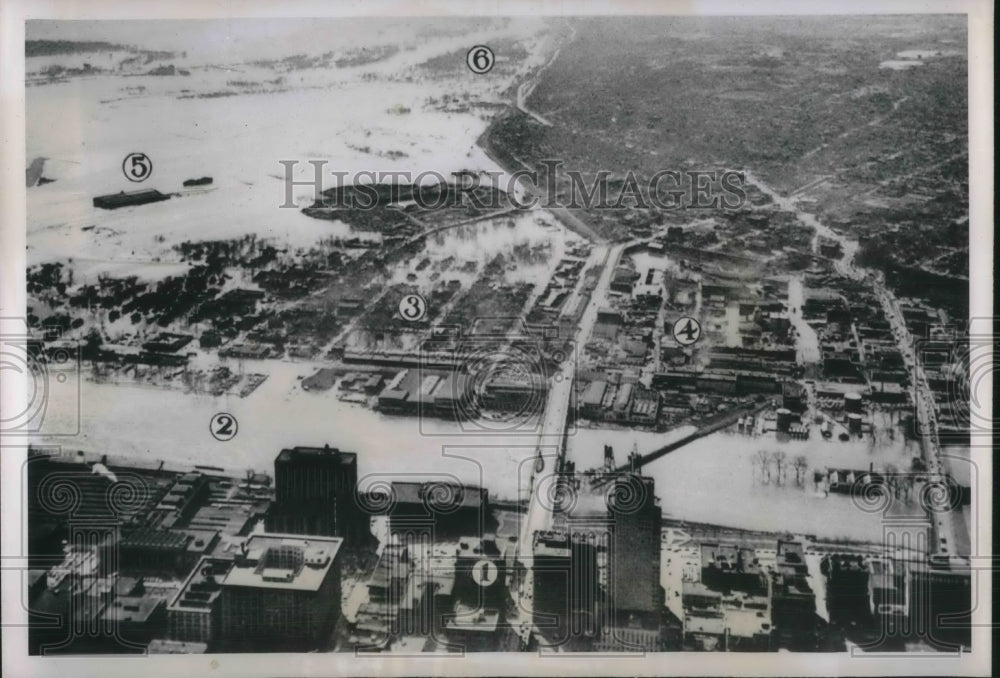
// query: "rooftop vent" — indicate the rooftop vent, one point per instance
point(317, 557)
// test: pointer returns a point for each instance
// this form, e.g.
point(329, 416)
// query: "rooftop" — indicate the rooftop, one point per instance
point(157, 539)
point(475, 546)
point(471, 619)
point(136, 609)
point(438, 492)
point(284, 561)
point(315, 454)
point(595, 393)
point(203, 586)
point(160, 646)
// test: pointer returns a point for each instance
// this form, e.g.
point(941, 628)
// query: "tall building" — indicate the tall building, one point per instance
point(314, 493)
point(634, 560)
point(566, 586)
point(727, 604)
point(793, 602)
point(941, 603)
point(619, 513)
point(479, 595)
point(281, 594)
point(480, 573)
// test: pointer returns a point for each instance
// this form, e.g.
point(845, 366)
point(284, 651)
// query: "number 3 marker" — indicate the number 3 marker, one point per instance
point(413, 308)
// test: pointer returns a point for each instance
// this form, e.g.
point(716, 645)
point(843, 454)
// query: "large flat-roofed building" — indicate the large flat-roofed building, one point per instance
point(645, 406)
point(620, 516)
point(137, 618)
point(452, 398)
point(438, 507)
point(521, 393)
point(731, 567)
point(314, 493)
point(942, 598)
point(113, 201)
point(480, 573)
point(623, 401)
point(725, 599)
point(194, 615)
point(154, 551)
point(479, 594)
point(282, 593)
point(593, 397)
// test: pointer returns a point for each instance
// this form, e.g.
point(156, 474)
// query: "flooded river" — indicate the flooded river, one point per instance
point(715, 480)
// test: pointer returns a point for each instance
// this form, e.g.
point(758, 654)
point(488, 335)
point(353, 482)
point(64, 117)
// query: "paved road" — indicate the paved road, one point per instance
point(523, 92)
point(551, 433)
point(943, 527)
point(923, 399)
point(559, 400)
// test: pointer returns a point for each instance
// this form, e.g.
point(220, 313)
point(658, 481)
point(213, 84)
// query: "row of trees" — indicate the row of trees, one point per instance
point(775, 465)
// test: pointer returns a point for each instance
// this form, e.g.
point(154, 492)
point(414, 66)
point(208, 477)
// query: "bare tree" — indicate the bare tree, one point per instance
point(800, 464)
point(763, 460)
point(779, 461)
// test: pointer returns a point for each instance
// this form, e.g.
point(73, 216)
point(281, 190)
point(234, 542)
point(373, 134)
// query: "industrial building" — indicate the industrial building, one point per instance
point(620, 402)
point(113, 201)
point(438, 393)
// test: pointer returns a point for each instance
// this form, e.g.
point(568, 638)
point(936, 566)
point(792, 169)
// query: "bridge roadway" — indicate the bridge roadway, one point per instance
point(717, 424)
point(557, 408)
point(552, 432)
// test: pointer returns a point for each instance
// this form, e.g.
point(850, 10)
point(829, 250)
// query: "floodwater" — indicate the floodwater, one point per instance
point(715, 480)
point(240, 141)
point(166, 424)
point(379, 117)
point(532, 239)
